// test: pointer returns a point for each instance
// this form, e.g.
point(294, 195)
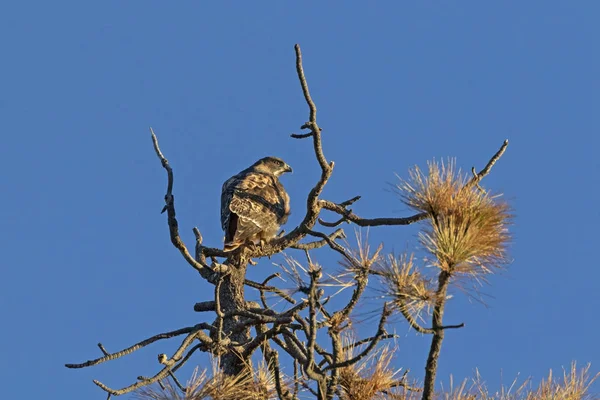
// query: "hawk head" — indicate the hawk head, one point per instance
point(271, 165)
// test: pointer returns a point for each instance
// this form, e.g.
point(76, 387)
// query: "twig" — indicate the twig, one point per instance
point(485, 171)
point(102, 349)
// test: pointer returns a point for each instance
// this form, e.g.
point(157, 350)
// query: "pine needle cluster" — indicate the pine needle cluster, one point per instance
point(370, 379)
point(467, 227)
point(257, 384)
point(404, 284)
point(575, 385)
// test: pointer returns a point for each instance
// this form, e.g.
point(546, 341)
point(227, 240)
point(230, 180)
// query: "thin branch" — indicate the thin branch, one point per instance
point(405, 386)
point(301, 135)
point(205, 306)
point(135, 347)
point(203, 269)
point(102, 349)
point(160, 375)
point(272, 358)
point(380, 333)
point(333, 224)
point(362, 279)
point(370, 339)
point(296, 382)
point(259, 340)
point(334, 246)
point(199, 346)
point(311, 104)
point(348, 215)
point(263, 298)
point(312, 202)
point(338, 234)
point(485, 171)
point(272, 289)
point(413, 322)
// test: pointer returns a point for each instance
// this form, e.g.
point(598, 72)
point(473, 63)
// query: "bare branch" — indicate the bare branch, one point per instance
point(380, 333)
point(272, 358)
point(160, 375)
point(331, 243)
point(135, 347)
point(362, 279)
point(199, 346)
point(205, 306)
point(312, 202)
point(370, 339)
point(348, 215)
point(203, 269)
point(272, 289)
point(102, 349)
point(260, 339)
point(413, 322)
point(263, 298)
point(338, 234)
point(311, 104)
point(485, 171)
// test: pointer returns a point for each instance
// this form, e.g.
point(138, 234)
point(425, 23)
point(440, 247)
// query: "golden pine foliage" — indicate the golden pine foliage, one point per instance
point(467, 232)
point(575, 385)
point(255, 385)
point(372, 378)
point(404, 284)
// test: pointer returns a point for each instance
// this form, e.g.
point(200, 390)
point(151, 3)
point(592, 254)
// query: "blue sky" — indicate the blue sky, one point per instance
point(85, 252)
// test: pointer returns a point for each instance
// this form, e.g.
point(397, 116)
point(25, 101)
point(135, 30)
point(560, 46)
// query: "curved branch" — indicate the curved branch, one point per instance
point(203, 269)
point(312, 202)
point(135, 347)
point(378, 336)
point(161, 374)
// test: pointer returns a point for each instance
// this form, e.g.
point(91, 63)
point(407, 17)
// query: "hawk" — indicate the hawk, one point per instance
point(254, 203)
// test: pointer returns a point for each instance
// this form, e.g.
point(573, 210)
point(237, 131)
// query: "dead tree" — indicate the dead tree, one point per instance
point(464, 232)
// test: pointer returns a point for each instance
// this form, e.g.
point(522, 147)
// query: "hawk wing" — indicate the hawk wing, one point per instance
point(252, 203)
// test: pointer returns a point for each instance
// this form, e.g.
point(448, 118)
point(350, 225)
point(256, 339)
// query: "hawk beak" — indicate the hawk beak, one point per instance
point(288, 169)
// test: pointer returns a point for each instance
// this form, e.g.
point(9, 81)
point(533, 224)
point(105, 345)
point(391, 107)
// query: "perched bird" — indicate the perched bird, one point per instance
point(254, 203)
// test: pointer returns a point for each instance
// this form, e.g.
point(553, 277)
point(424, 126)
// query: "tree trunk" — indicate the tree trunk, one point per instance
point(231, 296)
